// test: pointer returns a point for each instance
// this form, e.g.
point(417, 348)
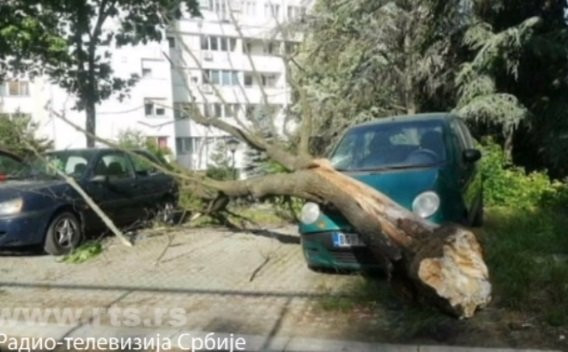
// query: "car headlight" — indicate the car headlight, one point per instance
point(310, 213)
point(12, 206)
point(426, 204)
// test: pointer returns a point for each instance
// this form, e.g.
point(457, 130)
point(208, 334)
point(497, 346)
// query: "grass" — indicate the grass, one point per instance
point(527, 253)
point(367, 292)
point(83, 253)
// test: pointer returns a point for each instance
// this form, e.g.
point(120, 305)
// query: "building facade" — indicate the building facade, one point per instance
point(138, 112)
point(228, 64)
point(231, 63)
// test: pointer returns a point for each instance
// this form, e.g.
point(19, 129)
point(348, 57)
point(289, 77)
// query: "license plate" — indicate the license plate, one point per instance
point(346, 240)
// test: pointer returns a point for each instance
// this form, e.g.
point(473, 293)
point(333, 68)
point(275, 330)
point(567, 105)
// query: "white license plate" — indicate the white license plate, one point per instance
point(346, 240)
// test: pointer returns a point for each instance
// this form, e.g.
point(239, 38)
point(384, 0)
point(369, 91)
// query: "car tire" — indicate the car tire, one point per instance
point(477, 220)
point(167, 212)
point(64, 234)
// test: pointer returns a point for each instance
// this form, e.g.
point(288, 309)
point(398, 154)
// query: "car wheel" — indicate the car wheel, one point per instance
point(167, 212)
point(63, 234)
point(479, 215)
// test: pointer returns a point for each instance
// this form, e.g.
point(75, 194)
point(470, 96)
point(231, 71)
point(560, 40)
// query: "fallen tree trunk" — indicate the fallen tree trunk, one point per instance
point(444, 263)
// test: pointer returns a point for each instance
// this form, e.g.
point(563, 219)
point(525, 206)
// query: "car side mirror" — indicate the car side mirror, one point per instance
point(471, 155)
point(100, 179)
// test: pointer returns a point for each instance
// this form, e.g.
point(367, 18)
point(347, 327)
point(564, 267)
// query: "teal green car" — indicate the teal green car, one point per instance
point(427, 163)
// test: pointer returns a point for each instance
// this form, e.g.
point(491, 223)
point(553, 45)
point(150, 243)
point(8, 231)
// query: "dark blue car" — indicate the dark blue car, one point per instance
point(39, 208)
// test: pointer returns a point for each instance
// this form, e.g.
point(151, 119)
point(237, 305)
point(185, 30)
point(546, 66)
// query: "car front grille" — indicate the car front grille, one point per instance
point(360, 256)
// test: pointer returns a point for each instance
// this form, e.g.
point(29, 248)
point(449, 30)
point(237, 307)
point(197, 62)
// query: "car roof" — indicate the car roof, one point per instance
point(435, 116)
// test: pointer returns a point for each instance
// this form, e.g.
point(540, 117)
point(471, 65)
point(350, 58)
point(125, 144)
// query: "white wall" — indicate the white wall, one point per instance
point(258, 27)
point(113, 115)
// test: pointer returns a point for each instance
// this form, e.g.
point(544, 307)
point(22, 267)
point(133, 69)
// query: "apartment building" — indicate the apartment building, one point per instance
point(228, 63)
point(231, 64)
point(144, 110)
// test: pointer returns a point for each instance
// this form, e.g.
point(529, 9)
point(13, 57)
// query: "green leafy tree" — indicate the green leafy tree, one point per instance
point(81, 36)
point(365, 59)
point(17, 133)
point(514, 78)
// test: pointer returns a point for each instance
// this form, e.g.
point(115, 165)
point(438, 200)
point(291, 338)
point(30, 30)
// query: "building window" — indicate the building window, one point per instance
point(172, 42)
point(269, 80)
point(249, 8)
point(182, 111)
point(296, 12)
point(147, 68)
point(219, 7)
point(215, 43)
point(271, 10)
point(154, 107)
point(231, 110)
point(219, 111)
point(163, 142)
point(248, 79)
point(222, 77)
point(271, 48)
point(184, 145)
point(18, 88)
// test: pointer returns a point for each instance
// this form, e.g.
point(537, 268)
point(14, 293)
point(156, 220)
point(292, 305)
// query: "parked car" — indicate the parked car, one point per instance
point(427, 163)
point(39, 208)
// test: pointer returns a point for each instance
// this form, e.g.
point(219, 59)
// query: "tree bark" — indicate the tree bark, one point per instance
point(444, 263)
point(91, 124)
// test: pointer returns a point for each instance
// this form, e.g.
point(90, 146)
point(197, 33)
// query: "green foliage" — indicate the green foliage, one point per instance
point(221, 167)
point(86, 251)
point(508, 185)
point(19, 131)
point(72, 41)
point(133, 139)
point(526, 253)
point(479, 98)
point(365, 59)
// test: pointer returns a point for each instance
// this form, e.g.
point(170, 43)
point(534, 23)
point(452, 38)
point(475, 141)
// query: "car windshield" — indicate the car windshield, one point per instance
point(390, 145)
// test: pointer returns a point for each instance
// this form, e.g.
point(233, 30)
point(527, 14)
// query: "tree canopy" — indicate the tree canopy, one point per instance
point(500, 64)
point(72, 42)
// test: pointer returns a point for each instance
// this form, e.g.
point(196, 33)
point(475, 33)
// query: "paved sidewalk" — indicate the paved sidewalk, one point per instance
point(250, 284)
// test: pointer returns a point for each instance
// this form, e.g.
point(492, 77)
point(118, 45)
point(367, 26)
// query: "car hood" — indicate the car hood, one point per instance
point(15, 188)
point(402, 186)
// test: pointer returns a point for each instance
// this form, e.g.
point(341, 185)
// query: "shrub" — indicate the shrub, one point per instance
point(509, 185)
point(133, 139)
point(17, 132)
